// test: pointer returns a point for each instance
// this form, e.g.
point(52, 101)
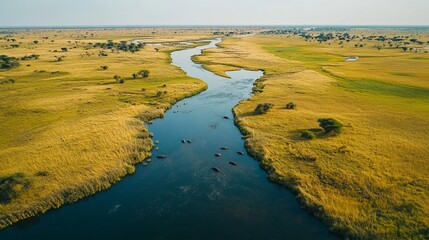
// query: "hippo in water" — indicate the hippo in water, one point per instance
point(240, 153)
point(183, 141)
point(233, 163)
point(162, 156)
point(188, 141)
point(218, 154)
point(215, 169)
point(224, 148)
point(225, 117)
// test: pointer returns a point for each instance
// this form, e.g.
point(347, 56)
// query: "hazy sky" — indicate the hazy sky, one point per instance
point(219, 12)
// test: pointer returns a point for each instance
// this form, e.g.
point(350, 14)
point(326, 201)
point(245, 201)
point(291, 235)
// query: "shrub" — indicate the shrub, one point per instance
point(263, 108)
point(42, 173)
point(144, 73)
point(104, 67)
point(290, 105)
point(12, 80)
point(11, 186)
point(307, 135)
point(330, 125)
point(122, 80)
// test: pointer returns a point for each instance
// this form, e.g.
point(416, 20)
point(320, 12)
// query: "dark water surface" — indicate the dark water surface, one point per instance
point(180, 197)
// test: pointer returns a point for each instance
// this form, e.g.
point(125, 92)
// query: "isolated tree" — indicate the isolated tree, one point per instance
point(145, 74)
point(290, 105)
point(36, 42)
point(330, 125)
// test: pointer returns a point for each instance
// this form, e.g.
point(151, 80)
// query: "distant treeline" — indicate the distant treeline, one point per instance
point(119, 46)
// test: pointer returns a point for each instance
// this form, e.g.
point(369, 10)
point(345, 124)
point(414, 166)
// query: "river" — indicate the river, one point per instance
point(181, 197)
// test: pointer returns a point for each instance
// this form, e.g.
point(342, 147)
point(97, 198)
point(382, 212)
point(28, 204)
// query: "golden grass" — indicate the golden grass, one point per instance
point(369, 182)
point(75, 132)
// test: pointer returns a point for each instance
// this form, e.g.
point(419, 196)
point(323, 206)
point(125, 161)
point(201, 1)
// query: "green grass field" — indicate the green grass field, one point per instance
point(370, 181)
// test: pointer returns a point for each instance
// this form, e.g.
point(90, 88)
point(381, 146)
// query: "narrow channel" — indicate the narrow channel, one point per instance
point(181, 197)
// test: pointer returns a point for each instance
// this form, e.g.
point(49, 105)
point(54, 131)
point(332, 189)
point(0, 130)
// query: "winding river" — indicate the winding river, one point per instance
point(181, 197)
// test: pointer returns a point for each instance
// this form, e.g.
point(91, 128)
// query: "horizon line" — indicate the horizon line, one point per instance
point(210, 25)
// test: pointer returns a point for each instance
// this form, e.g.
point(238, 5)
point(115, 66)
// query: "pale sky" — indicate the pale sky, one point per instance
point(219, 12)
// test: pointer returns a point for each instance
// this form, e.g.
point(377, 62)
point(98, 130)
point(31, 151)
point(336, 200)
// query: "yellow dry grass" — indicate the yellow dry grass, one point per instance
point(369, 182)
point(68, 126)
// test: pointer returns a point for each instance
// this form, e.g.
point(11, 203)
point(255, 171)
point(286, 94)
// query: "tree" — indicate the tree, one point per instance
point(405, 49)
point(290, 105)
point(104, 67)
point(117, 78)
point(145, 73)
point(134, 75)
point(330, 125)
point(64, 49)
point(263, 108)
point(36, 42)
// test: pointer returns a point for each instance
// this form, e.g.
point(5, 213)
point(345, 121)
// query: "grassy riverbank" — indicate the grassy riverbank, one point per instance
point(68, 128)
point(370, 181)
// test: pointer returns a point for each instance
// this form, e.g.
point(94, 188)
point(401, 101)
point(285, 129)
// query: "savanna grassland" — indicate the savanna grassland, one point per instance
point(371, 180)
point(73, 106)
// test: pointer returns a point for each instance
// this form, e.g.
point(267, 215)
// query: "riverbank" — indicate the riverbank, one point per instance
point(360, 190)
point(69, 129)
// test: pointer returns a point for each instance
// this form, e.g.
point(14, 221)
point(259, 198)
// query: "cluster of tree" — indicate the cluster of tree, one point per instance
point(7, 62)
point(144, 73)
point(230, 33)
point(302, 30)
point(29, 57)
point(121, 46)
point(263, 108)
point(119, 79)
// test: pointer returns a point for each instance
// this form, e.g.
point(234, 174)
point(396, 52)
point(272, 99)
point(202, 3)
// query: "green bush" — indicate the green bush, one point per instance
point(263, 108)
point(11, 186)
point(307, 135)
point(290, 106)
point(330, 125)
point(144, 73)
